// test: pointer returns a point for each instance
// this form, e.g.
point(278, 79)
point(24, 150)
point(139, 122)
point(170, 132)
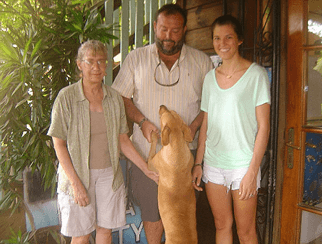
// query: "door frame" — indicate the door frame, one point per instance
point(291, 211)
point(290, 226)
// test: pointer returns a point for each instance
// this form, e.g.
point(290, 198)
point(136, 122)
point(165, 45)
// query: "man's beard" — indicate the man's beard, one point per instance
point(176, 46)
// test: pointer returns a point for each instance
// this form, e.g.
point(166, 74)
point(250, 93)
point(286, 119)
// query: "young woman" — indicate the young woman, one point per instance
point(234, 134)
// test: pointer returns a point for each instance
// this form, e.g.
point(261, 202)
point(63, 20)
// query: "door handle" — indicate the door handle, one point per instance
point(289, 144)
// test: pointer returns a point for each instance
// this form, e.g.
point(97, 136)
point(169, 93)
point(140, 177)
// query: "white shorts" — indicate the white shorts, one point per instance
point(230, 178)
point(106, 208)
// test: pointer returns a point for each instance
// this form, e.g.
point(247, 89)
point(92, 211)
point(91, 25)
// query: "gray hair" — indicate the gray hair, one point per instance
point(94, 46)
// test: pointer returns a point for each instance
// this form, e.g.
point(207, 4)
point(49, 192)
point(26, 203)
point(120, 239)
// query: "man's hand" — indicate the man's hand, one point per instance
point(147, 127)
point(193, 131)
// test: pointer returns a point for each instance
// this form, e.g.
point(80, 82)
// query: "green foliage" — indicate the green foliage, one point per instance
point(40, 236)
point(318, 66)
point(58, 237)
point(38, 42)
point(17, 238)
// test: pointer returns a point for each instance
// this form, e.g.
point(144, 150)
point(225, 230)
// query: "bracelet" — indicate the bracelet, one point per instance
point(142, 121)
point(197, 165)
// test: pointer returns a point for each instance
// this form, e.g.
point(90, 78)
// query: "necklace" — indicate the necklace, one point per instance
point(231, 75)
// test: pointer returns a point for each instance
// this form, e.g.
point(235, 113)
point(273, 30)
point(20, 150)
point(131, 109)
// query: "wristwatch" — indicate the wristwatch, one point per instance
point(142, 121)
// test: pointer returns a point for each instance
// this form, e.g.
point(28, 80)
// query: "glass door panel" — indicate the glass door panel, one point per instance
point(311, 228)
point(312, 189)
point(314, 88)
point(311, 205)
point(314, 24)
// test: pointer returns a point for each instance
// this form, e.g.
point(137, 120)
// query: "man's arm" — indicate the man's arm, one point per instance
point(132, 111)
point(134, 114)
point(195, 125)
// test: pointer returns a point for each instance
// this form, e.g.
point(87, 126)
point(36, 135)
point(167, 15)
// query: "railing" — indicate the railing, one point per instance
point(134, 19)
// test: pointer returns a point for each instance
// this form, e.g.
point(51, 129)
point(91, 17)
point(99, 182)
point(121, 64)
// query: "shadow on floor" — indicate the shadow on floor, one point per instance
point(205, 221)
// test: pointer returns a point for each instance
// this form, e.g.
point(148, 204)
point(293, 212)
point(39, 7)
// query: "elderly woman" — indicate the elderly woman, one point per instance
point(89, 129)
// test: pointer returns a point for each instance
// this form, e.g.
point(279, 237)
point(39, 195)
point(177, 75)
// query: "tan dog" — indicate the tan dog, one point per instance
point(176, 197)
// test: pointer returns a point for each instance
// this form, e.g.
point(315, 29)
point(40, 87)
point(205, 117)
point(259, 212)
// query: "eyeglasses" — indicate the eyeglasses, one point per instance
point(90, 63)
point(166, 85)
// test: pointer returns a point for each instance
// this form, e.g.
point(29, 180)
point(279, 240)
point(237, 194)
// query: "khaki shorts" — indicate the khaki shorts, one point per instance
point(106, 208)
point(230, 178)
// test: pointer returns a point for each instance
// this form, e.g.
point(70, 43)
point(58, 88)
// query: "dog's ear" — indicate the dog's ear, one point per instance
point(186, 133)
point(165, 136)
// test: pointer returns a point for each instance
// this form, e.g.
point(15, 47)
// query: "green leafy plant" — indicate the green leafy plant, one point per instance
point(38, 42)
point(44, 235)
point(17, 238)
point(318, 66)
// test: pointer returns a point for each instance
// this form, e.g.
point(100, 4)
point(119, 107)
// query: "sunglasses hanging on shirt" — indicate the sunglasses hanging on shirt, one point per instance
point(171, 84)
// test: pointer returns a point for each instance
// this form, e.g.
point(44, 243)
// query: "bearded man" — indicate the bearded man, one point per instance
point(168, 73)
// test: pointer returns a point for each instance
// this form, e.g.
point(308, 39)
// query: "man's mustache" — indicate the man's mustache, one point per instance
point(168, 40)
